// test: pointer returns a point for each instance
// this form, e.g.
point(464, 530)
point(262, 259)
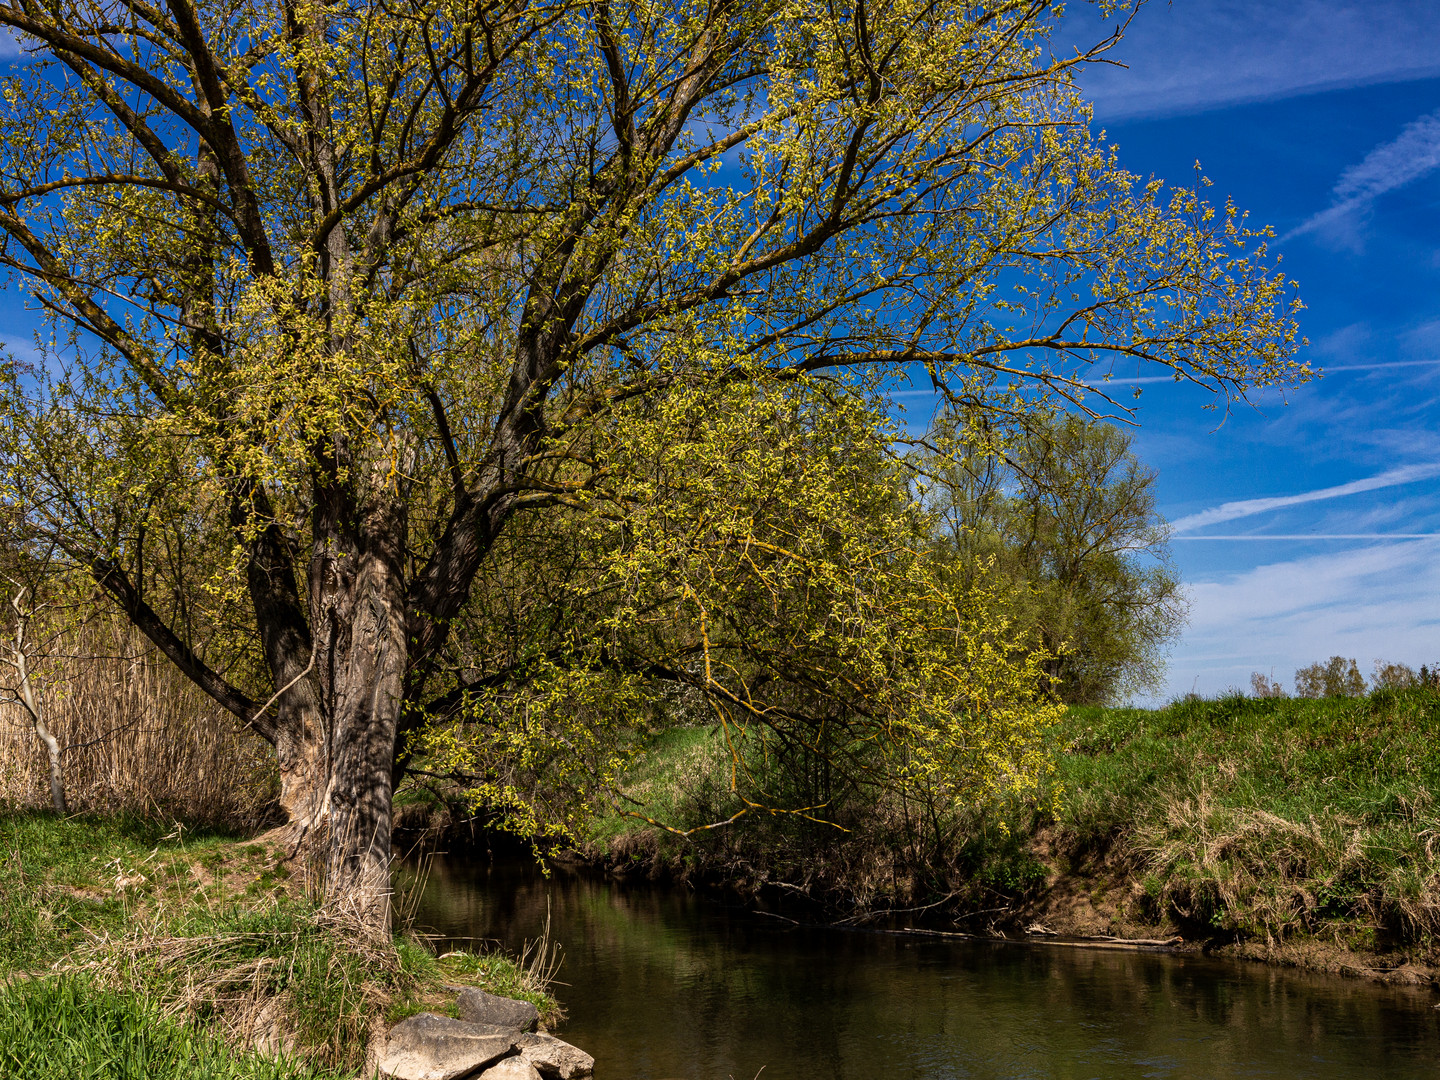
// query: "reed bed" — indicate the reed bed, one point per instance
point(136, 737)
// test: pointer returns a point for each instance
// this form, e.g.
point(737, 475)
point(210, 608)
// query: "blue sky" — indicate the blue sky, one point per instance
point(1323, 120)
point(1309, 526)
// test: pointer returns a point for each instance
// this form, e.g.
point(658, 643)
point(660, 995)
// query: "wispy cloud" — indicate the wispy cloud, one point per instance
point(1370, 602)
point(1189, 57)
point(1150, 380)
point(1231, 511)
point(1392, 165)
point(22, 348)
point(1131, 380)
point(1380, 365)
point(1315, 536)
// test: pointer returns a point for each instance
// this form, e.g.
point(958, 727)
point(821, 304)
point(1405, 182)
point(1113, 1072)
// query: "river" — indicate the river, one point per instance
point(661, 983)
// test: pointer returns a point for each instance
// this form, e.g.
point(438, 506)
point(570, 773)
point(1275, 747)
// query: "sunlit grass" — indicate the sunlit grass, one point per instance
point(1268, 817)
point(218, 934)
point(64, 1027)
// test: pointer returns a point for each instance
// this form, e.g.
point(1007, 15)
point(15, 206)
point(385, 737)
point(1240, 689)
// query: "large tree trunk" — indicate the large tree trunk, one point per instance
point(335, 769)
point(338, 725)
point(368, 693)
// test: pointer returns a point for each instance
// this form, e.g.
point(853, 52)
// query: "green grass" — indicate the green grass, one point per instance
point(63, 882)
point(113, 922)
point(67, 1028)
point(504, 977)
point(1239, 818)
point(677, 767)
point(1267, 817)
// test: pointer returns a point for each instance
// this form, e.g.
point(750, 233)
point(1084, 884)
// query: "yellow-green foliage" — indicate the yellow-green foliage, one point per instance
point(757, 547)
point(549, 343)
point(950, 208)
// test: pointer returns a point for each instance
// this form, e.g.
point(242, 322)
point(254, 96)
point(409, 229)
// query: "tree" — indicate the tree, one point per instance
point(343, 293)
point(767, 558)
point(1336, 677)
point(19, 688)
point(1395, 675)
point(1265, 686)
point(1063, 508)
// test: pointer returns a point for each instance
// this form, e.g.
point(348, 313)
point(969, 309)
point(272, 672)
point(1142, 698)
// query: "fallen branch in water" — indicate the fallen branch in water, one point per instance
point(856, 920)
point(1085, 941)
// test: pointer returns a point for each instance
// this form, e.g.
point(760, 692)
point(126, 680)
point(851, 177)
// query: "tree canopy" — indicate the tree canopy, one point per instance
point(1336, 677)
point(1063, 509)
point(349, 298)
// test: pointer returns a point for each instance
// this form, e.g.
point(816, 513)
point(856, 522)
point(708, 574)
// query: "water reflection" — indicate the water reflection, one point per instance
point(663, 984)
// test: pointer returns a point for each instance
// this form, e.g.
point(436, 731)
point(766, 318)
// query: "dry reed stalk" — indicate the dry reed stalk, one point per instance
point(137, 738)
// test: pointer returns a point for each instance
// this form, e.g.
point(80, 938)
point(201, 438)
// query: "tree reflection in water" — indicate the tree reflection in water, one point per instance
point(661, 983)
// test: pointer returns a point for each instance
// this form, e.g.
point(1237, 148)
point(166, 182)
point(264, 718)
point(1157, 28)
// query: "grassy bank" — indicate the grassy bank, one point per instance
point(1302, 830)
point(130, 949)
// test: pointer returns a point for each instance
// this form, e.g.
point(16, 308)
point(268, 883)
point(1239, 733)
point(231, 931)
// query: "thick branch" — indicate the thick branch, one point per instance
point(144, 618)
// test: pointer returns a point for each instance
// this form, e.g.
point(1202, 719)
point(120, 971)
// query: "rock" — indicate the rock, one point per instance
point(508, 1030)
point(511, 1068)
point(553, 1058)
point(430, 1047)
point(478, 1007)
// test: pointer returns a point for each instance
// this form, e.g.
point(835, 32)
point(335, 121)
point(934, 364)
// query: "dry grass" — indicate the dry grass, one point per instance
point(225, 936)
point(277, 978)
point(221, 935)
point(1268, 821)
point(1262, 875)
point(137, 738)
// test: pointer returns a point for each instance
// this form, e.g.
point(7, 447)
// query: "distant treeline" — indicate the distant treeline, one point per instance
point(1340, 677)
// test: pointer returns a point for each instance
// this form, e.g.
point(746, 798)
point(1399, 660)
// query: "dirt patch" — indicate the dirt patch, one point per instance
point(1333, 959)
point(1085, 893)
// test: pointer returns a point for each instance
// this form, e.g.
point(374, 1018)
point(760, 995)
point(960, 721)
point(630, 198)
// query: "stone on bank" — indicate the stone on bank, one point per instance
point(494, 1040)
point(475, 1006)
point(552, 1057)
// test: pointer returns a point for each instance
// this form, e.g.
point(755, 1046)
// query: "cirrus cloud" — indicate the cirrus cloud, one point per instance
point(1390, 166)
point(1242, 508)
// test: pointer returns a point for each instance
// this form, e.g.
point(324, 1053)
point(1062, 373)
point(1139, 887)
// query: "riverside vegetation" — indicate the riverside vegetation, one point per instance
point(1297, 831)
point(160, 932)
point(460, 416)
point(130, 948)
point(412, 380)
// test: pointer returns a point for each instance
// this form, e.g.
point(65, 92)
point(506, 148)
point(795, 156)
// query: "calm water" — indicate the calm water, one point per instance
point(665, 984)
